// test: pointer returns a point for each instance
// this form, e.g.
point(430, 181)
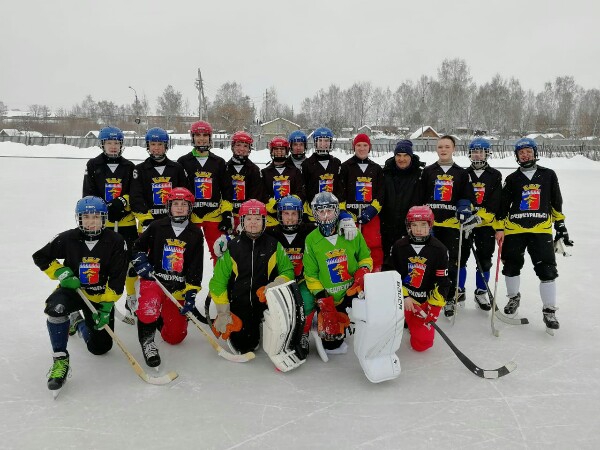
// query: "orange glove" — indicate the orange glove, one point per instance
point(226, 322)
point(359, 282)
point(331, 323)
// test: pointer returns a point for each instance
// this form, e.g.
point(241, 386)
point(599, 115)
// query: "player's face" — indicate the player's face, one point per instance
point(297, 148)
point(112, 147)
point(445, 149)
point(361, 150)
point(279, 152)
point(323, 144)
point(420, 228)
point(180, 208)
point(241, 149)
point(202, 139)
point(478, 155)
point(289, 217)
point(325, 215)
point(157, 148)
point(403, 160)
point(525, 154)
point(91, 222)
point(253, 223)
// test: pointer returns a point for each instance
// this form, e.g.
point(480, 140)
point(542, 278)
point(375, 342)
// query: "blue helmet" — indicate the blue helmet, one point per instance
point(526, 143)
point(298, 136)
point(111, 134)
point(157, 135)
point(323, 133)
point(90, 205)
point(479, 144)
point(289, 203)
point(325, 200)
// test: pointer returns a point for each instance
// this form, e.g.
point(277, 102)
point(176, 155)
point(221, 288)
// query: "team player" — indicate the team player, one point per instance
point(422, 262)
point(93, 260)
point(153, 179)
point(531, 202)
point(280, 179)
point(253, 262)
point(109, 176)
point(170, 250)
point(487, 186)
point(206, 173)
point(445, 188)
point(298, 145)
point(363, 188)
point(334, 269)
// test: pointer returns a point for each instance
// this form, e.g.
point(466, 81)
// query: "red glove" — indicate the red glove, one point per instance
point(428, 312)
point(359, 281)
point(329, 326)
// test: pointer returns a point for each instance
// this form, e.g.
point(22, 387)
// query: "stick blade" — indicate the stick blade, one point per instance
point(162, 380)
point(236, 358)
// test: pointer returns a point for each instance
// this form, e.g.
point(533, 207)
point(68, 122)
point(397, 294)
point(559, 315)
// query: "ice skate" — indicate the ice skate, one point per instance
point(512, 305)
point(57, 375)
point(482, 300)
point(449, 308)
point(550, 320)
point(461, 297)
point(150, 351)
point(75, 318)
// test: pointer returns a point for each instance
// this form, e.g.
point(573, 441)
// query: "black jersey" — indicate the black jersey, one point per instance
point(210, 186)
point(531, 205)
point(424, 274)
point(293, 244)
point(152, 182)
point(320, 179)
point(246, 183)
point(277, 183)
point(101, 269)
point(487, 191)
point(361, 188)
point(177, 259)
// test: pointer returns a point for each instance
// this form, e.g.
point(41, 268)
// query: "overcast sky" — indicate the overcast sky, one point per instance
point(56, 53)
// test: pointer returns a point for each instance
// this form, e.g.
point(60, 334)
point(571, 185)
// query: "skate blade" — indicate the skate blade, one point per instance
point(550, 331)
point(55, 393)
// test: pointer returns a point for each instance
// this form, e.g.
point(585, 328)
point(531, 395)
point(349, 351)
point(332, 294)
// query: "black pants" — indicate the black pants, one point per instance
point(251, 315)
point(485, 244)
point(63, 302)
point(540, 248)
point(450, 238)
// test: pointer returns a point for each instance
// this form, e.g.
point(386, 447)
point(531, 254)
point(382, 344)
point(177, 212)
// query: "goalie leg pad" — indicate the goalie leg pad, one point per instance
point(379, 318)
point(283, 326)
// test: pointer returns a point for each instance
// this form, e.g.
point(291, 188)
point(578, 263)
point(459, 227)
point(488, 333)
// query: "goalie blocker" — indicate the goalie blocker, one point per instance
point(379, 324)
point(282, 327)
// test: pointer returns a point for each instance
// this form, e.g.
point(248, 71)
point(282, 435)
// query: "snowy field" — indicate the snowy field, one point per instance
point(550, 401)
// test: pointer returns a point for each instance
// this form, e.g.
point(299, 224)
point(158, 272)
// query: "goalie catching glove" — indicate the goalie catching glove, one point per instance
point(331, 324)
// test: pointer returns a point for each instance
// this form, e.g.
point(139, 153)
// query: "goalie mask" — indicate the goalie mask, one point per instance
point(326, 211)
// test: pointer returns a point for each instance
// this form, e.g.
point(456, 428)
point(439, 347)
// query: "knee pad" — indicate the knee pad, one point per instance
point(511, 271)
point(546, 272)
point(486, 264)
point(420, 345)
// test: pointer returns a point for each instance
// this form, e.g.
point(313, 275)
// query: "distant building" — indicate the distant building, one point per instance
point(10, 132)
point(278, 127)
point(425, 132)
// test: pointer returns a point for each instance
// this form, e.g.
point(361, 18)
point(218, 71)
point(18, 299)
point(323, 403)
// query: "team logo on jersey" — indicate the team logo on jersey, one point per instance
point(442, 191)
point(416, 270)
point(479, 189)
point(112, 189)
point(326, 183)
point(295, 255)
point(172, 259)
point(161, 187)
point(337, 263)
point(89, 270)
point(203, 184)
point(364, 189)
point(281, 186)
point(530, 197)
point(239, 187)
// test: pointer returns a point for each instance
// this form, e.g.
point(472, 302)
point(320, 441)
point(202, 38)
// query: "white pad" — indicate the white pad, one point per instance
point(280, 328)
point(379, 324)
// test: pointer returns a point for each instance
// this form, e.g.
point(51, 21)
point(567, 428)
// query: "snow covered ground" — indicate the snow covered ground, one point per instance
point(550, 401)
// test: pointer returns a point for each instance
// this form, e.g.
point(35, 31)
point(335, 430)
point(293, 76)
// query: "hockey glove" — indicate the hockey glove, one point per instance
point(116, 209)
point(261, 291)
point(226, 322)
point(347, 227)
point(367, 214)
point(220, 245)
point(562, 233)
point(67, 278)
point(359, 282)
point(463, 210)
point(328, 323)
point(102, 315)
point(142, 266)
point(469, 224)
point(226, 224)
point(189, 302)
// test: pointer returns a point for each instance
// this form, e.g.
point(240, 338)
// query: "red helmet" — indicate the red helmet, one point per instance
point(253, 207)
point(180, 193)
point(418, 213)
point(201, 127)
point(279, 141)
point(241, 136)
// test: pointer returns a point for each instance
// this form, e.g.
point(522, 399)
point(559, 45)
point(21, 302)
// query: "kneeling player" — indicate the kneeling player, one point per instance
point(422, 261)
point(172, 251)
point(94, 260)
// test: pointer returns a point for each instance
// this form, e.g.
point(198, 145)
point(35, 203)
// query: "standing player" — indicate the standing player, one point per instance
point(280, 179)
point(172, 251)
point(93, 260)
point(487, 187)
point(422, 262)
point(207, 174)
point(445, 188)
point(109, 176)
point(363, 188)
point(298, 143)
point(153, 179)
point(531, 202)
point(334, 269)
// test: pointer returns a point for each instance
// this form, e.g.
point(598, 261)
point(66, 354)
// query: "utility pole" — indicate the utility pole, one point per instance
point(266, 105)
point(201, 97)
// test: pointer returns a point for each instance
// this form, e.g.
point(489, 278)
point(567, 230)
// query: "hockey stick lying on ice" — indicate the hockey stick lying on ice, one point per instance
point(483, 373)
point(164, 379)
point(220, 350)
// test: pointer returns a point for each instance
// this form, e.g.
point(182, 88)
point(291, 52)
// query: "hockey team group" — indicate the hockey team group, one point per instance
point(295, 246)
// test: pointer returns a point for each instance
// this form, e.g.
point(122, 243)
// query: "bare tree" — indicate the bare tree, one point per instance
point(232, 110)
point(3, 109)
point(170, 104)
